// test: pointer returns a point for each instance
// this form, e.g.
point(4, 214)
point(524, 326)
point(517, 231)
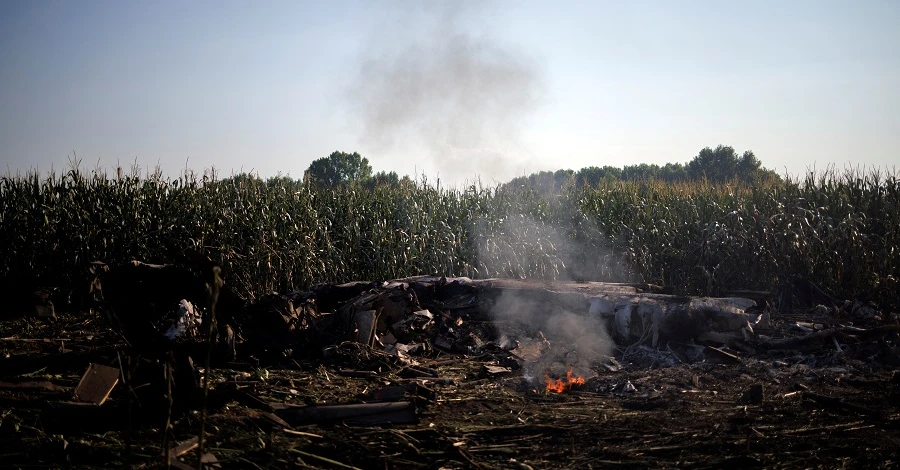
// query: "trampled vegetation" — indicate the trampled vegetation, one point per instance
point(841, 231)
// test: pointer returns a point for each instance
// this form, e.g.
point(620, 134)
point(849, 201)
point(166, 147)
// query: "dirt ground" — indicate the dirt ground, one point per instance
point(832, 403)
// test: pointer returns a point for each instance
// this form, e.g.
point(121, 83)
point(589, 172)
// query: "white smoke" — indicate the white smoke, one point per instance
point(572, 340)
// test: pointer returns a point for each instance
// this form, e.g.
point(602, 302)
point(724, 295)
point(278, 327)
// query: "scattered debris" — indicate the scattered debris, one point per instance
point(451, 372)
point(754, 395)
point(724, 354)
point(187, 324)
point(96, 384)
point(207, 460)
point(658, 319)
point(43, 385)
point(395, 412)
point(493, 370)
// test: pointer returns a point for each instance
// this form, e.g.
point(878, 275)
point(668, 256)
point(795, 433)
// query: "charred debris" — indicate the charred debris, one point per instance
point(392, 351)
point(164, 313)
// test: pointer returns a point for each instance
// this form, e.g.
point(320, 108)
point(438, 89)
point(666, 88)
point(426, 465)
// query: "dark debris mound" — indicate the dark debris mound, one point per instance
point(434, 372)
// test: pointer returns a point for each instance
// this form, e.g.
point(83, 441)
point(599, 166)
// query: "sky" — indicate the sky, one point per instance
point(455, 91)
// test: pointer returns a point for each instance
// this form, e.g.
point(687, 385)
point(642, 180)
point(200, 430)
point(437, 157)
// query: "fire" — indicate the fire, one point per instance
point(560, 385)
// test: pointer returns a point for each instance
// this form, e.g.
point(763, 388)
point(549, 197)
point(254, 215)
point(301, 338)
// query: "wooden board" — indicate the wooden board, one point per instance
point(96, 384)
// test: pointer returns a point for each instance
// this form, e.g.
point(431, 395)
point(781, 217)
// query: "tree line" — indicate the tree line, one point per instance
point(720, 165)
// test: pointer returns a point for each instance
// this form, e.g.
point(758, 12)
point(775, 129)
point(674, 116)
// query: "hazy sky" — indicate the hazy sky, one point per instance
point(451, 89)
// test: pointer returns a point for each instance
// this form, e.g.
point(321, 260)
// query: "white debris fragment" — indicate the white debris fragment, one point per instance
point(188, 321)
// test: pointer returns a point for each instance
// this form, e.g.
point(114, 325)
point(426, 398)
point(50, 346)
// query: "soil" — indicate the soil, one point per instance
point(823, 404)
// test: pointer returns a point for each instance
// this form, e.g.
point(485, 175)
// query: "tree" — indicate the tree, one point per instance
point(748, 164)
point(592, 175)
point(717, 165)
point(674, 172)
point(642, 172)
point(338, 168)
point(383, 178)
point(546, 182)
point(563, 177)
point(724, 164)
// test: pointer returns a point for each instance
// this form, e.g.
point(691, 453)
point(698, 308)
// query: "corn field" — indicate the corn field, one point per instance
point(841, 231)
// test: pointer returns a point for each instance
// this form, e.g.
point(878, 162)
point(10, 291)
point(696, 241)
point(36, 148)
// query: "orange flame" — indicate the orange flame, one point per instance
point(560, 385)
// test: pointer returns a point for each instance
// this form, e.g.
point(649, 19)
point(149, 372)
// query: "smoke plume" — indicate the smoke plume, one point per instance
point(569, 337)
point(572, 340)
point(518, 246)
point(441, 86)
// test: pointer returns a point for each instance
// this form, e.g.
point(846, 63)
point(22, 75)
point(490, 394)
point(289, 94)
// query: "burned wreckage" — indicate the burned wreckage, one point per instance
point(498, 370)
point(551, 328)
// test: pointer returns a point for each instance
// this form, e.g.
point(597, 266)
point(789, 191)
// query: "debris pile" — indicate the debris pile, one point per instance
point(473, 367)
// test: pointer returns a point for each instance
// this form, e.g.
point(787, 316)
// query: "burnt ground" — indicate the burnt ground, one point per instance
point(821, 404)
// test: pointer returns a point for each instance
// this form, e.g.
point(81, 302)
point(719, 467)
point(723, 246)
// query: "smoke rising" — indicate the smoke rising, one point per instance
point(461, 95)
point(522, 247)
point(571, 339)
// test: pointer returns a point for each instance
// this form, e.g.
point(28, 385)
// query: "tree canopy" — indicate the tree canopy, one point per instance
point(338, 168)
point(718, 165)
point(724, 164)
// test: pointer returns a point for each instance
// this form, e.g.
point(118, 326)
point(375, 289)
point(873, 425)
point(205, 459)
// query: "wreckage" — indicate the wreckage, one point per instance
point(161, 308)
point(157, 306)
point(403, 350)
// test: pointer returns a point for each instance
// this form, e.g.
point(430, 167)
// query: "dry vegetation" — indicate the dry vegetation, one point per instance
point(840, 231)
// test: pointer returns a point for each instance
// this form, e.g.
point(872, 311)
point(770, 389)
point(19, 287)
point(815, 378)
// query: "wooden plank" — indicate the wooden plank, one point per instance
point(96, 384)
point(403, 412)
